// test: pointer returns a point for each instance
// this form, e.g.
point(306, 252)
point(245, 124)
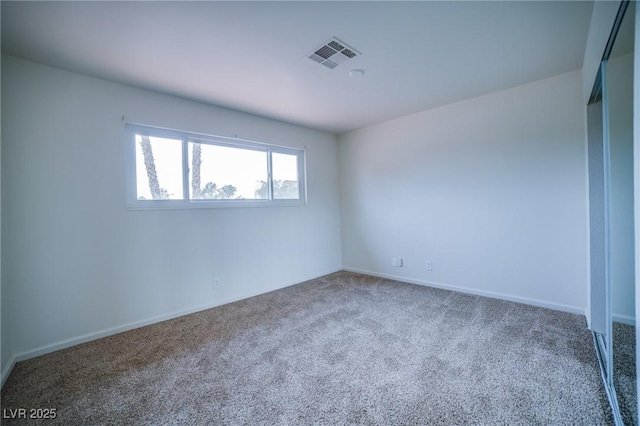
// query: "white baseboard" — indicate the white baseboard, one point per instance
point(625, 319)
point(42, 350)
point(7, 370)
point(467, 290)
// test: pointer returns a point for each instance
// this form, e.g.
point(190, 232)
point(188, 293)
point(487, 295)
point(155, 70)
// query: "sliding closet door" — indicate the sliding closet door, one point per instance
point(621, 245)
point(636, 154)
point(613, 161)
point(599, 322)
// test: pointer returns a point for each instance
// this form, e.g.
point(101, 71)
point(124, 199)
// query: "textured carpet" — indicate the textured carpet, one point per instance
point(341, 349)
point(624, 371)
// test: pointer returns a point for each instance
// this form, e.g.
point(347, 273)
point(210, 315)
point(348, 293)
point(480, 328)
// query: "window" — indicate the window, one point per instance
point(158, 160)
point(172, 169)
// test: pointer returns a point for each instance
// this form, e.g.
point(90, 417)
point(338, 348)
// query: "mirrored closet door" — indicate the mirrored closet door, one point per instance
point(618, 90)
point(610, 117)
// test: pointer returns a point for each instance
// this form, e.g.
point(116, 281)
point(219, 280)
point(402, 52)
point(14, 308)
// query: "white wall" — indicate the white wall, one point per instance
point(491, 189)
point(80, 264)
point(620, 93)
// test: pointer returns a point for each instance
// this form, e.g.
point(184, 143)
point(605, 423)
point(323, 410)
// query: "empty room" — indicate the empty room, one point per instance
point(379, 213)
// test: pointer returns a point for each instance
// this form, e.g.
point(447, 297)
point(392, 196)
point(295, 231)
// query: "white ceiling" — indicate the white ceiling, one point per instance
point(251, 56)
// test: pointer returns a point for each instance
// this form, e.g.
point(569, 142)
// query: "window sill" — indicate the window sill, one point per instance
point(189, 205)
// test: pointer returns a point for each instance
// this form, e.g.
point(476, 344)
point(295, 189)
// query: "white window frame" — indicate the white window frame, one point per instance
point(186, 202)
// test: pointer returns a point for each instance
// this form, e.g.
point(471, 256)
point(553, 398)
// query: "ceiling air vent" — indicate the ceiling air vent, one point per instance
point(333, 53)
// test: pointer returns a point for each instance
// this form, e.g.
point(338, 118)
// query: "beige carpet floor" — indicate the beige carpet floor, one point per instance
point(624, 371)
point(341, 349)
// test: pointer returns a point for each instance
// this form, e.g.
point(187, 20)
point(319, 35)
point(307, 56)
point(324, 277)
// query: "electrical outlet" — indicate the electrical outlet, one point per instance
point(394, 262)
point(216, 283)
point(429, 265)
